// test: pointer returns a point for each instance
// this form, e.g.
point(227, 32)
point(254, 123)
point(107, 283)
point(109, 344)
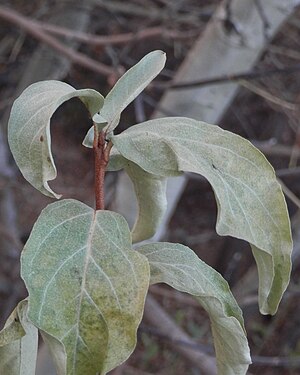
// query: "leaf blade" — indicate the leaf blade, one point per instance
point(80, 295)
point(250, 202)
point(128, 87)
point(18, 343)
point(179, 267)
point(29, 128)
point(150, 192)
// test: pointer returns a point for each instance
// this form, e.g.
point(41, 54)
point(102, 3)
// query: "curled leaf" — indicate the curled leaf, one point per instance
point(179, 267)
point(18, 343)
point(251, 205)
point(29, 128)
point(128, 87)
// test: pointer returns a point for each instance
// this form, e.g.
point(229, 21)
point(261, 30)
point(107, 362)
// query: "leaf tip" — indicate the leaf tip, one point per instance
point(46, 190)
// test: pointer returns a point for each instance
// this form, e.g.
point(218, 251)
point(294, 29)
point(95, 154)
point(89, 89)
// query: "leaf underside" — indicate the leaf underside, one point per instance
point(86, 285)
point(179, 267)
point(18, 343)
point(250, 202)
point(150, 191)
point(29, 128)
point(128, 87)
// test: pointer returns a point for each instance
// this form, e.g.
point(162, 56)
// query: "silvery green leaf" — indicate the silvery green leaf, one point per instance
point(116, 161)
point(150, 193)
point(179, 267)
point(18, 343)
point(86, 285)
point(29, 128)
point(251, 205)
point(13, 328)
point(128, 87)
point(57, 352)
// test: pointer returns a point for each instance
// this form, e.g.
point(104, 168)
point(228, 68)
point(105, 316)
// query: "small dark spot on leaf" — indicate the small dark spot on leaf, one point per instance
point(16, 319)
point(214, 167)
point(41, 138)
point(48, 159)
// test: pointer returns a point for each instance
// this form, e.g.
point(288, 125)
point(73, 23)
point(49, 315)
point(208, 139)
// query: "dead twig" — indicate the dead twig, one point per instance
point(275, 149)
point(227, 78)
point(124, 38)
point(152, 13)
point(269, 97)
point(287, 52)
point(256, 359)
point(157, 317)
point(27, 25)
point(276, 361)
point(289, 194)
point(173, 294)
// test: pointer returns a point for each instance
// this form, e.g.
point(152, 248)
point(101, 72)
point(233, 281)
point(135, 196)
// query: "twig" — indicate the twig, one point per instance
point(266, 95)
point(275, 361)
point(287, 52)
point(179, 297)
point(227, 78)
point(289, 194)
point(256, 360)
point(275, 149)
point(152, 13)
point(124, 38)
point(157, 317)
point(26, 24)
point(208, 349)
point(101, 153)
point(288, 172)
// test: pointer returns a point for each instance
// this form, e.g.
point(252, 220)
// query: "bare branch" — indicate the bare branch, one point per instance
point(27, 25)
point(269, 97)
point(228, 78)
point(104, 40)
point(156, 316)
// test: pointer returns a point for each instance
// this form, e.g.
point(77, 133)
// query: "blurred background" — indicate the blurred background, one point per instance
point(232, 63)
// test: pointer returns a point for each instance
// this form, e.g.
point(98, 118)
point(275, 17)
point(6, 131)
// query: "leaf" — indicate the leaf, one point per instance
point(128, 87)
point(86, 285)
point(150, 191)
point(250, 202)
point(179, 267)
point(116, 161)
point(29, 128)
point(57, 351)
point(18, 343)
point(13, 329)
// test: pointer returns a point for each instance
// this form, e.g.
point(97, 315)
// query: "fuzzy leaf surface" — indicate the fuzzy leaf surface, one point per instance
point(128, 87)
point(250, 202)
point(57, 352)
point(86, 285)
point(150, 191)
point(18, 343)
point(29, 128)
point(179, 267)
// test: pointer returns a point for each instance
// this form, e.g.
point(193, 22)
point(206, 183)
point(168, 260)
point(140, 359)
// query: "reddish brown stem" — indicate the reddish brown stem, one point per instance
point(101, 153)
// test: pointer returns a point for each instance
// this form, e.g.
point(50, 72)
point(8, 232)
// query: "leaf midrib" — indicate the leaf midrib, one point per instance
point(82, 287)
